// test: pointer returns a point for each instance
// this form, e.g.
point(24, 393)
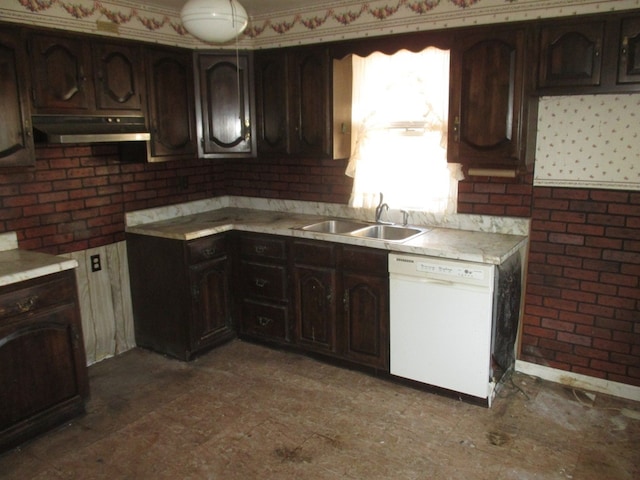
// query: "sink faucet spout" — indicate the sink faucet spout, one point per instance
point(380, 208)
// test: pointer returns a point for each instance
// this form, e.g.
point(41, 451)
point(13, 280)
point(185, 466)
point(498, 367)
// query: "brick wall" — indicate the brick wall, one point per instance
point(582, 310)
point(76, 196)
point(509, 197)
point(314, 180)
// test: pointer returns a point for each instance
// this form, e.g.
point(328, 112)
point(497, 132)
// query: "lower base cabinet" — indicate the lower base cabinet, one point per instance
point(181, 293)
point(314, 296)
point(342, 302)
point(43, 373)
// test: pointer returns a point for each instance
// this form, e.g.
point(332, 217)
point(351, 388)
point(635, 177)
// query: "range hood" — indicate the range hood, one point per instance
point(89, 129)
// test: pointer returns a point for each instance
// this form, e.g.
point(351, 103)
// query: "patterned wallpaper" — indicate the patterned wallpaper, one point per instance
point(589, 141)
point(334, 21)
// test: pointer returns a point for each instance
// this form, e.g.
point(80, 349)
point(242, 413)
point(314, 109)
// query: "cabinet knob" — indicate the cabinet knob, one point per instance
point(26, 304)
point(260, 282)
point(456, 128)
point(624, 49)
point(264, 321)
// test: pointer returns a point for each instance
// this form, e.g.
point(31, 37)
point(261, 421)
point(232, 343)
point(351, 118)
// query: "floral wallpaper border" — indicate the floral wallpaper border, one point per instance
point(333, 21)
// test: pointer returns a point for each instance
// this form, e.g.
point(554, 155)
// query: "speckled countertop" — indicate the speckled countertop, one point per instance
point(18, 265)
point(482, 247)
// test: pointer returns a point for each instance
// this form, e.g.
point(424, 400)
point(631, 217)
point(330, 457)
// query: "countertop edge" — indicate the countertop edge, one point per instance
point(290, 225)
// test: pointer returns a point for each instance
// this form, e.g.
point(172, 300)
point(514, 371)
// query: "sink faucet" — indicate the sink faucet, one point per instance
point(380, 208)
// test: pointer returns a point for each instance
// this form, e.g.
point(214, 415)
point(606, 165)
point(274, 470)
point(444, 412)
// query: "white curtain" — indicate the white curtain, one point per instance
point(399, 131)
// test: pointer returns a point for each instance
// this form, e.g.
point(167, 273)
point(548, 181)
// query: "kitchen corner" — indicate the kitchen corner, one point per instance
point(286, 273)
point(473, 238)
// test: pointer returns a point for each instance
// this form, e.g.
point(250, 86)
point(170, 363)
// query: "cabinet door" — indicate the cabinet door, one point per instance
point(366, 319)
point(16, 140)
point(225, 89)
point(39, 359)
point(61, 74)
point(272, 84)
point(315, 290)
point(629, 65)
point(171, 105)
point(571, 54)
point(211, 296)
point(310, 94)
point(486, 102)
point(118, 77)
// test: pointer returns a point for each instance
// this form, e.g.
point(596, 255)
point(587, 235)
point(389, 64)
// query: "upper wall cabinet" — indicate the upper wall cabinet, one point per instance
point(171, 104)
point(16, 140)
point(294, 96)
point(597, 55)
point(226, 126)
point(67, 81)
point(488, 99)
point(629, 64)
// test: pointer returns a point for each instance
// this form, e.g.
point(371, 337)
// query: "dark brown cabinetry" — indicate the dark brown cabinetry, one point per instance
point(171, 104)
point(629, 64)
point(43, 375)
point(571, 54)
point(183, 306)
point(73, 75)
point(594, 55)
point(366, 306)
point(263, 286)
point(488, 102)
point(293, 102)
point(341, 301)
point(315, 292)
point(16, 139)
point(226, 126)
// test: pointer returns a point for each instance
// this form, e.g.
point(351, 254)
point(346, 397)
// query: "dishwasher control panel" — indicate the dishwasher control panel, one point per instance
point(444, 270)
point(466, 271)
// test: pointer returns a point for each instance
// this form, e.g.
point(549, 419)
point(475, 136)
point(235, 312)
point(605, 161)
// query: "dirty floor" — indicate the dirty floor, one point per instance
point(248, 412)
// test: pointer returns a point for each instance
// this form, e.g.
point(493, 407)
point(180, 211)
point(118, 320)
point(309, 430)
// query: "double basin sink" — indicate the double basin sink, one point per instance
point(389, 233)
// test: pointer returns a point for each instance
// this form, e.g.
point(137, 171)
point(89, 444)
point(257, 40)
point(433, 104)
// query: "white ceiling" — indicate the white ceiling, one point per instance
point(253, 7)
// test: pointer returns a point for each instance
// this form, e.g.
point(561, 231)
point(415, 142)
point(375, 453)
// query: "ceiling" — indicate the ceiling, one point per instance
point(253, 7)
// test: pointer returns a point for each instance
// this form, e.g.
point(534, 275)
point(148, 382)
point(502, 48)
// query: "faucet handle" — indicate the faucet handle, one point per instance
point(405, 217)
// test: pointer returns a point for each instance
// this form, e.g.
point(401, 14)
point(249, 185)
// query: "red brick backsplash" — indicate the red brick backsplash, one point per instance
point(582, 307)
point(76, 196)
point(509, 197)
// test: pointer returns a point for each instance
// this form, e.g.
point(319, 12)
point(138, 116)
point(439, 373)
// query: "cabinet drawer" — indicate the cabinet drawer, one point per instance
point(262, 246)
point(358, 259)
point(37, 294)
point(266, 281)
point(206, 248)
point(314, 253)
point(264, 320)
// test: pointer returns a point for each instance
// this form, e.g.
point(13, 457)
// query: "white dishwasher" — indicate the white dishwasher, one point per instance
point(441, 326)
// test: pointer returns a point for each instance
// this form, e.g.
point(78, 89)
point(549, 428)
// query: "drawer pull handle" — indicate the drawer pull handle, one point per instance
point(261, 282)
point(27, 304)
point(209, 252)
point(261, 249)
point(264, 321)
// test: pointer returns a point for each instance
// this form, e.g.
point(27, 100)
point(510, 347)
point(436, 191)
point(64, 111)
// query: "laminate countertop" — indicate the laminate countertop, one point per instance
point(19, 265)
point(472, 246)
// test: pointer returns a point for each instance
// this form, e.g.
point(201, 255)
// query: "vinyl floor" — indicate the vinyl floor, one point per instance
point(244, 411)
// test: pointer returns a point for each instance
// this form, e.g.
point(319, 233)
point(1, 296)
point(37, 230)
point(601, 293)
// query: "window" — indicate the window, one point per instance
point(399, 131)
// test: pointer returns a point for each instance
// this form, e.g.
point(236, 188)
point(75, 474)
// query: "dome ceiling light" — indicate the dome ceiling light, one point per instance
point(214, 21)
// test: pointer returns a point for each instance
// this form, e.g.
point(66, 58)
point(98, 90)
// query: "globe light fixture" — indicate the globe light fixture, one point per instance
point(214, 21)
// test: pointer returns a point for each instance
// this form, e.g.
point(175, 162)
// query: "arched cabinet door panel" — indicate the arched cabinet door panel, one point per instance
point(224, 84)
point(171, 104)
point(488, 105)
point(16, 136)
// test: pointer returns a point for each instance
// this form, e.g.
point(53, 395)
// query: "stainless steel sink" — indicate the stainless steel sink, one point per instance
point(391, 233)
point(335, 226)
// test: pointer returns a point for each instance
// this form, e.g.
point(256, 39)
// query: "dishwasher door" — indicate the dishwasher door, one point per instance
point(441, 323)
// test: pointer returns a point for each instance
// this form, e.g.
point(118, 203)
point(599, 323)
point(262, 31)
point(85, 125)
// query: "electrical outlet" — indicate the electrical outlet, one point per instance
point(96, 264)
